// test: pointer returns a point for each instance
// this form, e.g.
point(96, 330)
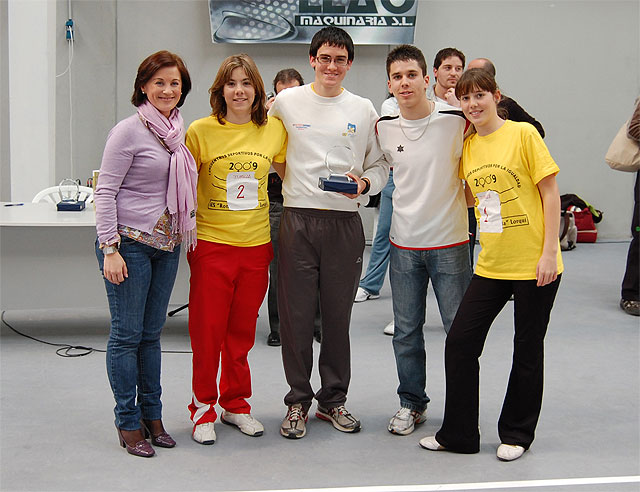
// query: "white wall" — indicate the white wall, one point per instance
point(5, 169)
point(574, 65)
point(93, 85)
point(32, 97)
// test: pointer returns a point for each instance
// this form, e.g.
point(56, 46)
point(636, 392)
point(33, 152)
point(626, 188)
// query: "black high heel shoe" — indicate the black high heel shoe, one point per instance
point(142, 448)
point(162, 440)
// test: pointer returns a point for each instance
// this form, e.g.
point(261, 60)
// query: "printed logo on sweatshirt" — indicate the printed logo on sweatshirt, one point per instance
point(301, 126)
point(351, 130)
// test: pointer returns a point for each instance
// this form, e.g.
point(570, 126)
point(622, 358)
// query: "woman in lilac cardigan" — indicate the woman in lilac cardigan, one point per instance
point(145, 209)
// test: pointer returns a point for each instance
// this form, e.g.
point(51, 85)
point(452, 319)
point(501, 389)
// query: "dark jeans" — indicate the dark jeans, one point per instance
point(138, 309)
point(631, 280)
point(482, 302)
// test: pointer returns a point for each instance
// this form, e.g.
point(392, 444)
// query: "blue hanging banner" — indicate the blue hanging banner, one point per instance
point(296, 21)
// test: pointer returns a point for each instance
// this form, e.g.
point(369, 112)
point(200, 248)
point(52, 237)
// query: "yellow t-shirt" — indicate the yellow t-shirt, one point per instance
point(233, 164)
point(503, 170)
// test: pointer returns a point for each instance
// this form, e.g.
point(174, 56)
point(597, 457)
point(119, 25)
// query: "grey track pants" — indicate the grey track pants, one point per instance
point(320, 252)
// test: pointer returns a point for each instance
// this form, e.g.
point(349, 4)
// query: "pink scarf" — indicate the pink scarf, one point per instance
point(183, 176)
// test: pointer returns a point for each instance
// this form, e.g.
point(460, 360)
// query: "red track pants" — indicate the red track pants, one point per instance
point(228, 284)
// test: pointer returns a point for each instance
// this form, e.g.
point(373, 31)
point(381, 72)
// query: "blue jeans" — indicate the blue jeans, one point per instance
point(138, 309)
point(450, 273)
point(379, 260)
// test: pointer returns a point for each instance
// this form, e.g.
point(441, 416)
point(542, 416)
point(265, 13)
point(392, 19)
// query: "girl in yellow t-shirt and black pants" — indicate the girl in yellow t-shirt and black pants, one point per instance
point(512, 177)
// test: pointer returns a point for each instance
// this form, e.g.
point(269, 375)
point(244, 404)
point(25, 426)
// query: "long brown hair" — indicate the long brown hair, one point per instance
point(216, 91)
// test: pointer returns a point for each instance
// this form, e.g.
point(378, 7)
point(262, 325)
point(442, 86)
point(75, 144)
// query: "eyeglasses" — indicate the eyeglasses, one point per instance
point(340, 61)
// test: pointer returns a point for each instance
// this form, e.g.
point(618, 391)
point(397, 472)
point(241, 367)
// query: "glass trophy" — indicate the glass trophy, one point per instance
point(69, 191)
point(339, 160)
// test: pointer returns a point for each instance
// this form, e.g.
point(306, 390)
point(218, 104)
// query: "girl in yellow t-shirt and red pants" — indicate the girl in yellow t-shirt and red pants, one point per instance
point(233, 149)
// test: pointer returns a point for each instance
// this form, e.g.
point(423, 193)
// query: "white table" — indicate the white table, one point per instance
point(47, 259)
point(44, 215)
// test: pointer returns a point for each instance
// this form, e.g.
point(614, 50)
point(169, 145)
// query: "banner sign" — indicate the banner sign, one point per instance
point(296, 21)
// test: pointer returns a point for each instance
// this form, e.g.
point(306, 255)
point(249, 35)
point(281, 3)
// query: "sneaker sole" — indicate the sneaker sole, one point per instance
point(405, 432)
point(370, 296)
point(507, 460)
point(510, 458)
point(628, 308)
point(283, 433)
point(257, 434)
point(327, 418)
point(441, 448)
point(408, 431)
point(206, 443)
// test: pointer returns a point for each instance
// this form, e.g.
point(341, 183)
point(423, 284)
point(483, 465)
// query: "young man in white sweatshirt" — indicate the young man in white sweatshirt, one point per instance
point(321, 234)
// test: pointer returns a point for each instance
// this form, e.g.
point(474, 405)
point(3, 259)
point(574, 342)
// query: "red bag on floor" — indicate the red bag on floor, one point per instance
point(587, 232)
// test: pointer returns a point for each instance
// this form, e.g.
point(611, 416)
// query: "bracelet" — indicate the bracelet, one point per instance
point(367, 186)
point(107, 250)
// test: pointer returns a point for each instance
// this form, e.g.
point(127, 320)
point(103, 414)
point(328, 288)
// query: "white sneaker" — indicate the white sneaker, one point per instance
point(204, 433)
point(341, 418)
point(294, 425)
point(243, 421)
point(389, 329)
point(405, 420)
point(431, 444)
point(509, 452)
point(363, 295)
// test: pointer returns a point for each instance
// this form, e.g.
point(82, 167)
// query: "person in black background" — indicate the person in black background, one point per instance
point(630, 292)
point(285, 78)
point(514, 111)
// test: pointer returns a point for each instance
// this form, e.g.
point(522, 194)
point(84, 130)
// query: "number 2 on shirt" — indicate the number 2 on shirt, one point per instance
point(490, 211)
point(242, 191)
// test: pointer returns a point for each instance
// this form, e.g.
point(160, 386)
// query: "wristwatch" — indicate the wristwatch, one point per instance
point(110, 249)
point(367, 186)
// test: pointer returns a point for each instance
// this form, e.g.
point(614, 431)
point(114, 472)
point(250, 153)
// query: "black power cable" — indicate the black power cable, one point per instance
point(67, 350)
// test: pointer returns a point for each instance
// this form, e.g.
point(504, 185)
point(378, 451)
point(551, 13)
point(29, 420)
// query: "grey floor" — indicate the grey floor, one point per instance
point(56, 421)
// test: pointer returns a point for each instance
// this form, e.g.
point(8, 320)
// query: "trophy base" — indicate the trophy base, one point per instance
point(340, 184)
point(71, 206)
